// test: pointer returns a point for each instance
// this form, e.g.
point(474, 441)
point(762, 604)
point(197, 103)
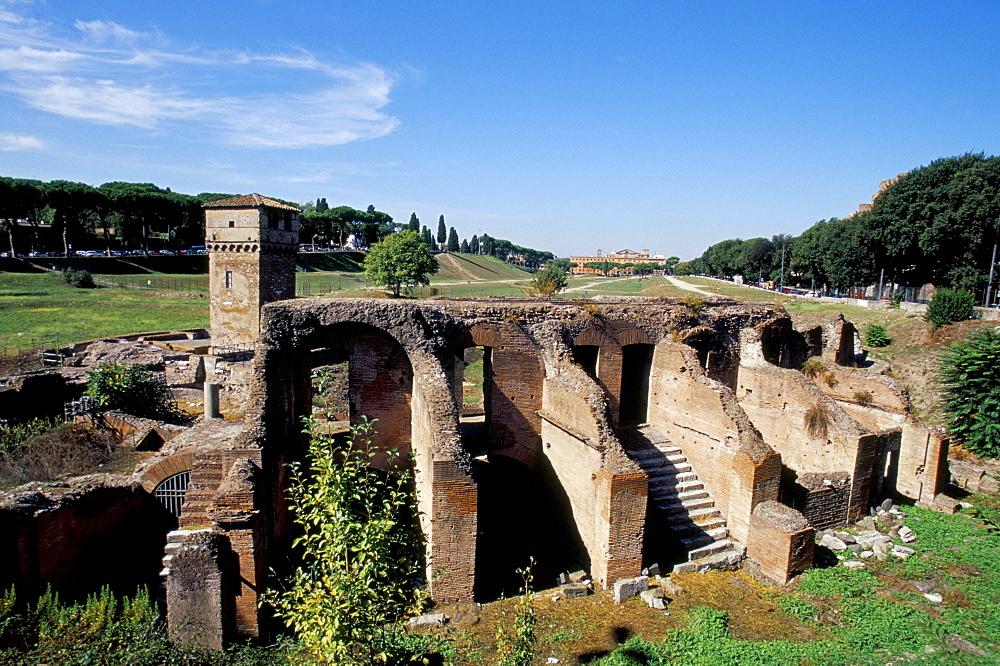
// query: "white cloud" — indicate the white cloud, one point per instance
point(109, 74)
point(12, 142)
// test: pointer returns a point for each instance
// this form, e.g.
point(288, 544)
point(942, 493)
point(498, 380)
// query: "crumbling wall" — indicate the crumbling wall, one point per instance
point(701, 416)
point(79, 535)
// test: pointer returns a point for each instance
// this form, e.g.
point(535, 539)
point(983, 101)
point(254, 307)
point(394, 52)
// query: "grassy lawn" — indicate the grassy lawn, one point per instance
point(34, 305)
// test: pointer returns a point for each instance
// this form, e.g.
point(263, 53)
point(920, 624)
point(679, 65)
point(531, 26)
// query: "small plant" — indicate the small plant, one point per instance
point(876, 336)
point(548, 281)
point(817, 421)
point(519, 649)
point(969, 375)
point(896, 299)
point(78, 278)
point(864, 397)
point(812, 367)
point(949, 306)
point(693, 303)
point(591, 310)
point(131, 389)
point(831, 380)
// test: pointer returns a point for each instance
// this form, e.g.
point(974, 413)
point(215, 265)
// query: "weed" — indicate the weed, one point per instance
point(838, 582)
point(831, 380)
point(519, 649)
point(796, 607)
point(693, 303)
point(817, 421)
point(864, 397)
point(812, 367)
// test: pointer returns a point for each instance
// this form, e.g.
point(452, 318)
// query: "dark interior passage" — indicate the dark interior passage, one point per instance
point(518, 521)
point(586, 357)
point(637, 362)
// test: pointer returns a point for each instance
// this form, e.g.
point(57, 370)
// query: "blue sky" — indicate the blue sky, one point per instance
point(567, 126)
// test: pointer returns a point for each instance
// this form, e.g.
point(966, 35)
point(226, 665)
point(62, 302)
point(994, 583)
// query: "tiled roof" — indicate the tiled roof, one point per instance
point(249, 201)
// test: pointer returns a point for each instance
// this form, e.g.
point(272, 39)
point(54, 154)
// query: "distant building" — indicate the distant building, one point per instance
point(578, 264)
point(882, 187)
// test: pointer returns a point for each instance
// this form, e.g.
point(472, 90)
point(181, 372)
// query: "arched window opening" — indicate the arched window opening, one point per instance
point(170, 492)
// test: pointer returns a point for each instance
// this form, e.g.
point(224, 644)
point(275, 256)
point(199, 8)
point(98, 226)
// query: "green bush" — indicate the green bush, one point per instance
point(131, 389)
point(78, 278)
point(876, 336)
point(105, 631)
point(361, 550)
point(969, 375)
point(949, 306)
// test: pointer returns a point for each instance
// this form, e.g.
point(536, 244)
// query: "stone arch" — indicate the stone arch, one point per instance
point(155, 474)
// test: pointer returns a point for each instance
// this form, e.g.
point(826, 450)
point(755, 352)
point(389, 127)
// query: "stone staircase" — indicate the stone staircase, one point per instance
point(686, 521)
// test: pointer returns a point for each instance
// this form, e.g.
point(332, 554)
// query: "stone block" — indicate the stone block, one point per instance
point(627, 588)
point(573, 590)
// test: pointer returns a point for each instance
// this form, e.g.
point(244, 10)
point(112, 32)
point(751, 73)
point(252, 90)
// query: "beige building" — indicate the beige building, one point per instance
point(578, 264)
point(251, 242)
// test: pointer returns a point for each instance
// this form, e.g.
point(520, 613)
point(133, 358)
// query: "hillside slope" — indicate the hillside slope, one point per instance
point(475, 267)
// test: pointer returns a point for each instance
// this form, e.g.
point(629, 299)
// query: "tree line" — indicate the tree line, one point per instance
point(46, 216)
point(325, 226)
point(64, 216)
point(937, 224)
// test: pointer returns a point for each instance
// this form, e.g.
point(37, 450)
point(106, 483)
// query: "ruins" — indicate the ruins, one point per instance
point(609, 435)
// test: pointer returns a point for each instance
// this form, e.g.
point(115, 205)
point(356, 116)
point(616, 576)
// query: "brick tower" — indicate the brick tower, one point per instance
point(251, 242)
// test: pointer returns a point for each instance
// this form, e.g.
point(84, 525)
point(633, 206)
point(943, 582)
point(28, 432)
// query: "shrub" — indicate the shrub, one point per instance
point(105, 630)
point(693, 303)
point(131, 389)
point(969, 375)
point(361, 550)
point(59, 449)
point(864, 397)
point(812, 367)
point(896, 299)
point(949, 306)
point(876, 336)
point(77, 278)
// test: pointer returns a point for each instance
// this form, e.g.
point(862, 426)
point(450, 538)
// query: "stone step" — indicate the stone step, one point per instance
point(681, 497)
point(703, 538)
point(687, 526)
point(680, 489)
point(710, 548)
point(670, 481)
point(674, 505)
point(722, 559)
point(676, 458)
point(645, 454)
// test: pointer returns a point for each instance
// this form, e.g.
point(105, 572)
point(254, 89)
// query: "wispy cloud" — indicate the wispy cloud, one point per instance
point(106, 73)
point(12, 142)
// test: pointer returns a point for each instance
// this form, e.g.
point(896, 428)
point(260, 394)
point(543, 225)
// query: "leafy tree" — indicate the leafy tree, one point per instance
point(464, 247)
point(937, 223)
point(950, 305)
point(474, 244)
point(321, 205)
point(131, 389)
point(361, 551)
point(550, 280)
point(969, 374)
point(401, 261)
point(414, 224)
point(442, 234)
point(453, 245)
point(427, 238)
point(75, 205)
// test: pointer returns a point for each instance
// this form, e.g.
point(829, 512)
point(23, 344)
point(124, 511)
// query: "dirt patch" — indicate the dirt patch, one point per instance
point(578, 631)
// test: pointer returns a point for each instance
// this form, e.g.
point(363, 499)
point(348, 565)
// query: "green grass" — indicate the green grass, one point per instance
point(36, 305)
point(868, 616)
